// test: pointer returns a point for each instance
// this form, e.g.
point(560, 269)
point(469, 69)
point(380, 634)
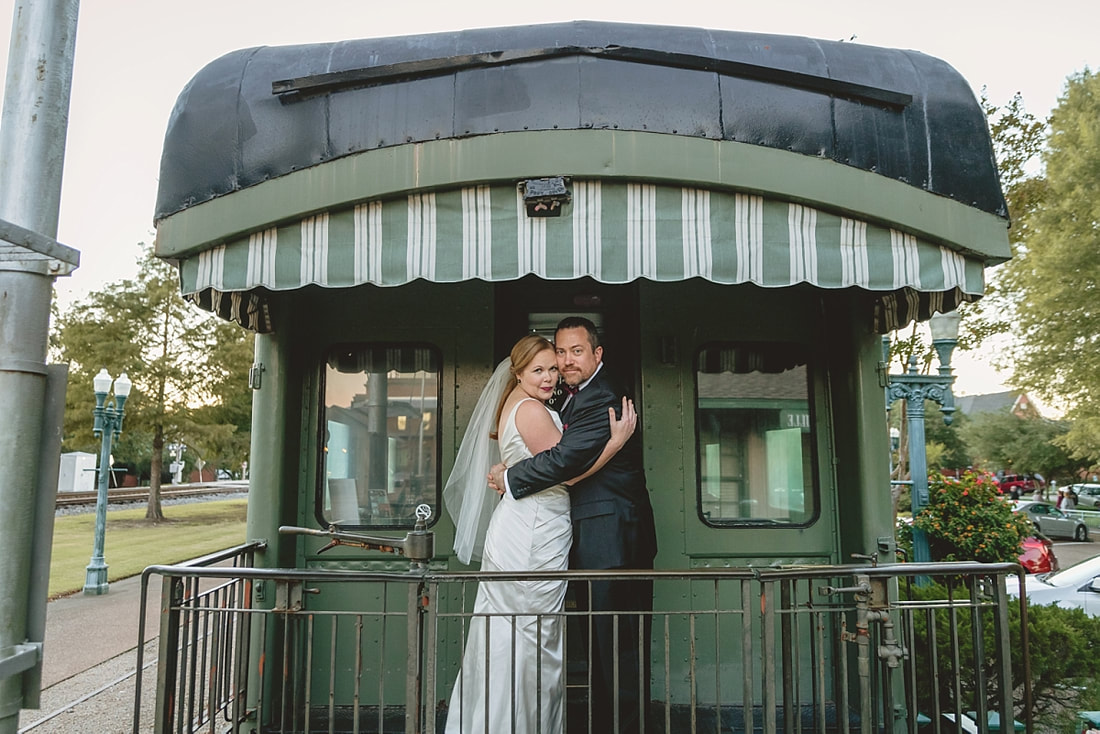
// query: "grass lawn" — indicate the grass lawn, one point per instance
point(131, 543)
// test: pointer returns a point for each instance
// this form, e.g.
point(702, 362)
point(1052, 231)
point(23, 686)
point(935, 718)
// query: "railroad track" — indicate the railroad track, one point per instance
point(141, 494)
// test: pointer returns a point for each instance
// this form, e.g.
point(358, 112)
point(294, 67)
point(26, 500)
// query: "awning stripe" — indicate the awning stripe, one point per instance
point(421, 237)
point(471, 240)
point(749, 220)
point(314, 262)
point(261, 257)
point(367, 264)
point(586, 230)
point(531, 241)
point(853, 253)
point(802, 222)
point(696, 233)
point(614, 232)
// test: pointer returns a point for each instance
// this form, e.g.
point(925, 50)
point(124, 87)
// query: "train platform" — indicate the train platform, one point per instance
point(89, 662)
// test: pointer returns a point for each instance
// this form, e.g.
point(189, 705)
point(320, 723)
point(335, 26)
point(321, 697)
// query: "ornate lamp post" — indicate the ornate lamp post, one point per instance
point(915, 388)
point(108, 424)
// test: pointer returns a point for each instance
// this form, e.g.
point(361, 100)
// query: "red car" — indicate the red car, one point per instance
point(1022, 484)
point(1037, 555)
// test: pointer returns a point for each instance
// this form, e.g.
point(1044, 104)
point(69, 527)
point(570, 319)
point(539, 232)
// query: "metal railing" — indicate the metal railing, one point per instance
point(203, 648)
point(1091, 518)
point(815, 649)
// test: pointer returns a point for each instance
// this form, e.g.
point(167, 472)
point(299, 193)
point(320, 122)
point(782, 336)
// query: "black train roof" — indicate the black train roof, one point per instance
point(899, 114)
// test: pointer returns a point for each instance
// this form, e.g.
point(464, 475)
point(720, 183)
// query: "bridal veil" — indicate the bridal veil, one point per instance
point(467, 496)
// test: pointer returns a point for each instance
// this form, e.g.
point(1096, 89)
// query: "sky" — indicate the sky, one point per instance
point(133, 57)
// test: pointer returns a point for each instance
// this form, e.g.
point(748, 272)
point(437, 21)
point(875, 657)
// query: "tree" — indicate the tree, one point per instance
point(224, 426)
point(1018, 138)
point(1055, 278)
point(173, 353)
point(951, 451)
point(1021, 445)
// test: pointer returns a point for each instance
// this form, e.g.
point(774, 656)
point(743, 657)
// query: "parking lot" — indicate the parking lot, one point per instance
point(1069, 552)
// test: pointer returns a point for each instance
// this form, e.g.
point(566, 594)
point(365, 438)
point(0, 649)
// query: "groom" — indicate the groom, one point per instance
point(612, 523)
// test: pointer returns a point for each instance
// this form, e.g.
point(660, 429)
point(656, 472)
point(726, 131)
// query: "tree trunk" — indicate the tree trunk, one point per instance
point(153, 511)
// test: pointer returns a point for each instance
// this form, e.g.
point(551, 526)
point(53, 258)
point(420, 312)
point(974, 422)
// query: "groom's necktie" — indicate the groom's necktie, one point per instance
point(567, 408)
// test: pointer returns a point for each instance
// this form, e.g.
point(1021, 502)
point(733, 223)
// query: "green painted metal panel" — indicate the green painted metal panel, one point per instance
point(605, 154)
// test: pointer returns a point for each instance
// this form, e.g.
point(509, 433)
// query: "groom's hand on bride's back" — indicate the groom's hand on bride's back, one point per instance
point(496, 478)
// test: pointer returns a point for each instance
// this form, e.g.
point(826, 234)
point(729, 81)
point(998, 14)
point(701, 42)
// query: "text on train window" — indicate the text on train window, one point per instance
point(380, 442)
point(755, 430)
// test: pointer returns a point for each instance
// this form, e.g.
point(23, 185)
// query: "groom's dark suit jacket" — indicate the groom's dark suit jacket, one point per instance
point(612, 516)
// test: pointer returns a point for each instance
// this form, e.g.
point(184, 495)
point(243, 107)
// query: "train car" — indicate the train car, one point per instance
point(742, 215)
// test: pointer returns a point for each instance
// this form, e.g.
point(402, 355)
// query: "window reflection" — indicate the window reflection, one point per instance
point(380, 445)
point(755, 435)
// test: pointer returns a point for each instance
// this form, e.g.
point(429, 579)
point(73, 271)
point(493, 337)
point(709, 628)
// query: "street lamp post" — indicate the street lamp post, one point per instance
point(108, 425)
point(915, 388)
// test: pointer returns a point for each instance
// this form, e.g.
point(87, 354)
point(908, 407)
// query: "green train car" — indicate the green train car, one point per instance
point(743, 215)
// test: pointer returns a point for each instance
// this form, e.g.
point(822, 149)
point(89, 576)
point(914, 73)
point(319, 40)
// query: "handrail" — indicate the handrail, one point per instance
point(866, 591)
point(418, 545)
point(198, 565)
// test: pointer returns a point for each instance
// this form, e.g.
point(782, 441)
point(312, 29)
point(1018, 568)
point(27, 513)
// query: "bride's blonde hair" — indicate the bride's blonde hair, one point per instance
point(522, 353)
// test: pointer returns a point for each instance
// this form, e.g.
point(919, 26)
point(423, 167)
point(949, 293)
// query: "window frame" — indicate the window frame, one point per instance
point(322, 428)
point(818, 432)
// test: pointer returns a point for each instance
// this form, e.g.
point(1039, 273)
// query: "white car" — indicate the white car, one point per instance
point(1088, 496)
point(1076, 587)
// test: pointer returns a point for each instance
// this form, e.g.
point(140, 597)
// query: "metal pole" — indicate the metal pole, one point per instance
point(918, 472)
point(95, 577)
point(32, 148)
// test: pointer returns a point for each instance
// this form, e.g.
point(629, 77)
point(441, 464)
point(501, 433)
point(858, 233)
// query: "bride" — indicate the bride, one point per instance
point(518, 621)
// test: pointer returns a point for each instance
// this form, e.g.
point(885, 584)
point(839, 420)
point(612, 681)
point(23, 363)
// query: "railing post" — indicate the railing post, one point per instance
point(767, 651)
point(429, 615)
point(171, 596)
point(977, 630)
point(416, 710)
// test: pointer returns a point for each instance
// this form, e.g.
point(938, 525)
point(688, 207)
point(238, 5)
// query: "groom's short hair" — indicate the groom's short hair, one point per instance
point(580, 322)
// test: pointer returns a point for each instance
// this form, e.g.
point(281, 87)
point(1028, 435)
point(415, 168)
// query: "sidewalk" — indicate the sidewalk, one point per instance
point(89, 661)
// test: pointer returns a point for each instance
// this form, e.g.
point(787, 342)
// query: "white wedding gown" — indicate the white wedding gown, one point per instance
point(530, 534)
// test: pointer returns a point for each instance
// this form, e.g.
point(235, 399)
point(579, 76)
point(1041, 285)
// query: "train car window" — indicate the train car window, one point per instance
point(755, 431)
point(380, 445)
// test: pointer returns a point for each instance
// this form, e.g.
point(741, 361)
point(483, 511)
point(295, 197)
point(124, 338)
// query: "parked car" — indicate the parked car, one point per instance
point(1050, 521)
point(1020, 484)
point(1088, 495)
point(1037, 554)
point(1076, 587)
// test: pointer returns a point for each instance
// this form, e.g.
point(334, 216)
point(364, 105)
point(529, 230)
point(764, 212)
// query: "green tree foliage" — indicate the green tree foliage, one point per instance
point(1021, 445)
point(186, 368)
point(1018, 138)
point(1055, 278)
point(223, 427)
point(951, 451)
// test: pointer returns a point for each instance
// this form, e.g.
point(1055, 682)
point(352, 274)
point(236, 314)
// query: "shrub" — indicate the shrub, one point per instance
point(966, 520)
point(1064, 666)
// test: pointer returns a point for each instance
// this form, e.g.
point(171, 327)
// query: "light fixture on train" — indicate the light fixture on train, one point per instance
point(545, 197)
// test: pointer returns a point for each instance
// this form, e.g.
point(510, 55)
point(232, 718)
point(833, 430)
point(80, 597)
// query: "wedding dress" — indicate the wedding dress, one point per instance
point(517, 620)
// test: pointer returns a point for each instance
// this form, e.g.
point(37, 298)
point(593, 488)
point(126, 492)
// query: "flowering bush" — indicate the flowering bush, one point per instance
point(966, 520)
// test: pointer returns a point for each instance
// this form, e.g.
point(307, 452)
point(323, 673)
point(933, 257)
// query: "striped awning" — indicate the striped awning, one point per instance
point(614, 232)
